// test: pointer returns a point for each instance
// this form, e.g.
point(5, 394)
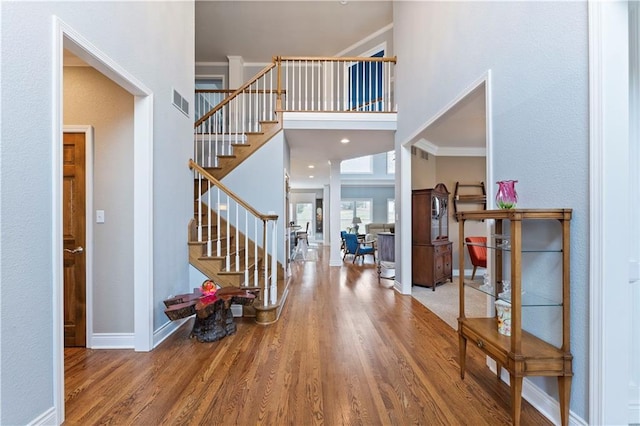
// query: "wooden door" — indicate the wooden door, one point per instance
point(74, 228)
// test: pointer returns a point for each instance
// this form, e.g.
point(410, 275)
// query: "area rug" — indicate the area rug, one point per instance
point(444, 302)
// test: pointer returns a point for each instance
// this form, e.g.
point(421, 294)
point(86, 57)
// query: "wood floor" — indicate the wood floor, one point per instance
point(346, 351)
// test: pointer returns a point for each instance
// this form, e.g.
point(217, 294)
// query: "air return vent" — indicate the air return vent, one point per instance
point(420, 153)
point(180, 102)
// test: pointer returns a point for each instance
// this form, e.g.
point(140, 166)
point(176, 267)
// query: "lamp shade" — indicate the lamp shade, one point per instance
point(356, 220)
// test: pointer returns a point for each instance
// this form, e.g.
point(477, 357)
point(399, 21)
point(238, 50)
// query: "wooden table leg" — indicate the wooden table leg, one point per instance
point(463, 354)
point(516, 398)
point(564, 390)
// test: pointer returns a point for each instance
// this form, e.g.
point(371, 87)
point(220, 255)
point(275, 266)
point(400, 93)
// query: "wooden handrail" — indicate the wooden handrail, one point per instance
point(259, 91)
point(264, 217)
point(234, 94)
point(215, 90)
point(337, 59)
point(366, 104)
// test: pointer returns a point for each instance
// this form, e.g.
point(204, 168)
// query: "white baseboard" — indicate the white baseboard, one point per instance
point(48, 418)
point(540, 400)
point(634, 413)
point(166, 330)
point(112, 341)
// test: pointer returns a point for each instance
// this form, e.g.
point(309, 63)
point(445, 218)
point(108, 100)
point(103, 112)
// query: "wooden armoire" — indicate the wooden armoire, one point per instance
point(430, 246)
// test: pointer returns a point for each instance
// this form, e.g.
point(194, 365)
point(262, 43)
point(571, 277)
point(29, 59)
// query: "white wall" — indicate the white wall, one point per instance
point(537, 53)
point(134, 35)
point(263, 187)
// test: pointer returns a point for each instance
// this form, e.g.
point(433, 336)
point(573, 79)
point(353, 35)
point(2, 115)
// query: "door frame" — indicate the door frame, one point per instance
point(65, 37)
point(609, 316)
point(88, 244)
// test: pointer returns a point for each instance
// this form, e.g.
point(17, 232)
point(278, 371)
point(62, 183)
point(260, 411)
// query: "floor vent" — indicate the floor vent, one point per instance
point(180, 102)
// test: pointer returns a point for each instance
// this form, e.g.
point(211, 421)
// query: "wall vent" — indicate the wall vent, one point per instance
point(180, 102)
point(420, 153)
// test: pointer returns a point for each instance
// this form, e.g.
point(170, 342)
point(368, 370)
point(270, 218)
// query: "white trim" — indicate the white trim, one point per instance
point(57, 238)
point(403, 223)
point(212, 64)
point(365, 40)
point(415, 137)
point(433, 149)
point(540, 400)
point(405, 170)
point(113, 340)
point(382, 47)
point(89, 243)
point(166, 330)
point(634, 190)
point(608, 150)
point(47, 418)
point(66, 37)
point(143, 222)
point(339, 120)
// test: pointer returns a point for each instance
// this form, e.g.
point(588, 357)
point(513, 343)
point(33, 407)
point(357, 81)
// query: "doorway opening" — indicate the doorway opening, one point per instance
point(454, 146)
point(67, 38)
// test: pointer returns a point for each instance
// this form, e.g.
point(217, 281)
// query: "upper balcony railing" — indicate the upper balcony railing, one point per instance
point(300, 84)
point(344, 84)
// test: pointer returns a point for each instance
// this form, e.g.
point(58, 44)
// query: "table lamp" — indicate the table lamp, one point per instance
point(356, 221)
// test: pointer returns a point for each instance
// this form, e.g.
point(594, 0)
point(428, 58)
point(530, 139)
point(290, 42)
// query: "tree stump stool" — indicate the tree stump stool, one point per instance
point(214, 319)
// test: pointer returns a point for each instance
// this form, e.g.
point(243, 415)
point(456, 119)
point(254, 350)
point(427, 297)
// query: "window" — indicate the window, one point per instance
point(304, 214)
point(360, 165)
point(391, 210)
point(354, 208)
point(391, 162)
point(205, 101)
point(365, 82)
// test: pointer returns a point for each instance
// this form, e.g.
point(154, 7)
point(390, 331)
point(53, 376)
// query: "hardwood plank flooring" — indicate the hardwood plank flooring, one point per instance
point(345, 351)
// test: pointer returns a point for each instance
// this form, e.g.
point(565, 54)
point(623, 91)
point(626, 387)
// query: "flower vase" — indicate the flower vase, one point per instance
point(506, 197)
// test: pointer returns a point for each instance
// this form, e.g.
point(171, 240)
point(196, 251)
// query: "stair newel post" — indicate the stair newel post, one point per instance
point(278, 60)
point(246, 247)
point(274, 271)
point(218, 239)
point(228, 236)
point(208, 216)
point(199, 206)
point(256, 275)
point(265, 299)
point(237, 223)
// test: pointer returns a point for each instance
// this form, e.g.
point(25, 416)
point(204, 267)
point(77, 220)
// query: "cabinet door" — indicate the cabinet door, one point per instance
point(421, 217)
point(422, 265)
point(439, 268)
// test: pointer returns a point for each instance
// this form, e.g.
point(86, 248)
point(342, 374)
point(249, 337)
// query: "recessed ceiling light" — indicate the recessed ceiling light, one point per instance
point(343, 2)
point(310, 176)
point(344, 140)
point(311, 166)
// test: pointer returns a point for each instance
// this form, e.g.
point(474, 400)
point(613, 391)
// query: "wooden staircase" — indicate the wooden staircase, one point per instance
point(237, 264)
point(242, 151)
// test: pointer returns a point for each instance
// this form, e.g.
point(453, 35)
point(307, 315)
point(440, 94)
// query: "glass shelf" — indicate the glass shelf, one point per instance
point(523, 250)
point(529, 299)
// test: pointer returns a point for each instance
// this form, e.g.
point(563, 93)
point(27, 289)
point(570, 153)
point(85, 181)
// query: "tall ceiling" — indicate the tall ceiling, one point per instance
point(258, 30)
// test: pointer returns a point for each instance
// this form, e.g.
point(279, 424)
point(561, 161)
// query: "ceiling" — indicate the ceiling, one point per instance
point(258, 30)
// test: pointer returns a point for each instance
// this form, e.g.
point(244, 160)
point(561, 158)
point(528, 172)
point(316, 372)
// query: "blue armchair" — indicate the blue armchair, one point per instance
point(357, 249)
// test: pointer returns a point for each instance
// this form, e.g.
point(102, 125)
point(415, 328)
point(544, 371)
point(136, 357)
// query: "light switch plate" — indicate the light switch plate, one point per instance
point(99, 216)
